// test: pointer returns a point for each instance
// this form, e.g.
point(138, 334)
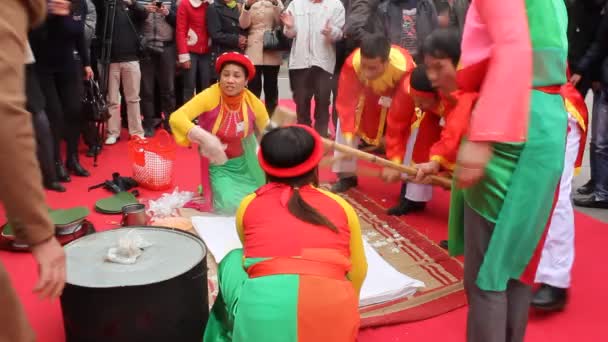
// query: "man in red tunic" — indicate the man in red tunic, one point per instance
point(410, 142)
point(370, 79)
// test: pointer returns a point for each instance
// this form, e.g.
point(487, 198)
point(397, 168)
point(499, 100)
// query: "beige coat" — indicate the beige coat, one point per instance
point(20, 179)
point(262, 16)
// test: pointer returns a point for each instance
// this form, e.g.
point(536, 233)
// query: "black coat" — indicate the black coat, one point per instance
point(223, 28)
point(126, 38)
point(596, 54)
point(54, 42)
point(584, 17)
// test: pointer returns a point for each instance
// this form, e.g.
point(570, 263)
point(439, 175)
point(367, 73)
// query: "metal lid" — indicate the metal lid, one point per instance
point(172, 253)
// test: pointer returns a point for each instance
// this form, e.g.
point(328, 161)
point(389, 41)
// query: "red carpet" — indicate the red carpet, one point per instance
point(583, 320)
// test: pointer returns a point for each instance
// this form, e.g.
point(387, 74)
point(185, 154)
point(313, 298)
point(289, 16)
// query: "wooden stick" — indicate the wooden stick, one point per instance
point(353, 152)
point(443, 182)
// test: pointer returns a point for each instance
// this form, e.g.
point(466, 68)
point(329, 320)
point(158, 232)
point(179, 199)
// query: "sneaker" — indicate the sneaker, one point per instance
point(111, 140)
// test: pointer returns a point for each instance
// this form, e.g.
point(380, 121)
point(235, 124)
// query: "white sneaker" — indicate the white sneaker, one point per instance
point(111, 140)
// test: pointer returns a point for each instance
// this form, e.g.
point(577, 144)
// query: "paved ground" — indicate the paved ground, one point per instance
point(600, 214)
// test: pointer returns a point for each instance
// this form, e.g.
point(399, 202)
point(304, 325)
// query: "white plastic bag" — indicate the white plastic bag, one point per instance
point(167, 204)
point(130, 247)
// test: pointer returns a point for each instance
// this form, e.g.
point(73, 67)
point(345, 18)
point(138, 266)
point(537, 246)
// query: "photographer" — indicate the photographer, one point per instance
point(126, 51)
point(159, 33)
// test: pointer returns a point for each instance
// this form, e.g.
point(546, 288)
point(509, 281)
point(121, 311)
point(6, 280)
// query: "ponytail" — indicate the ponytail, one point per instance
point(303, 211)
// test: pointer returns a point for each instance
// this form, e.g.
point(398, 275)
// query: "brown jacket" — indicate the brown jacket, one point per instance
point(262, 16)
point(22, 194)
point(20, 179)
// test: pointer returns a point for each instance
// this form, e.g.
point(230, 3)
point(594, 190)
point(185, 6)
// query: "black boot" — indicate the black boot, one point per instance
point(54, 186)
point(92, 150)
point(396, 209)
point(344, 184)
point(405, 207)
point(62, 173)
point(148, 132)
point(73, 165)
point(550, 298)
point(587, 189)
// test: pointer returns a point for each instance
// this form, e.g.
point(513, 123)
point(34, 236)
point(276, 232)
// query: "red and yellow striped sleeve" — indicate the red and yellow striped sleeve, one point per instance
point(358, 260)
point(181, 120)
point(240, 215)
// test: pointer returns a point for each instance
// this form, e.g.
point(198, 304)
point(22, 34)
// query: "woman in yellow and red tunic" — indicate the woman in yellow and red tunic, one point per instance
point(298, 276)
point(229, 116)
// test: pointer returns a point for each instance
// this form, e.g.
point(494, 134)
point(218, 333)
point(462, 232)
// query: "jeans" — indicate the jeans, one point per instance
point(269, 74)
point(599, 146)
point(199, 70)
point(306, 83)
point(159, 67)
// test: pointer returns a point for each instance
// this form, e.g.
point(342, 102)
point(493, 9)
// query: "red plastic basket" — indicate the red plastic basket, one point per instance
point(153, 160)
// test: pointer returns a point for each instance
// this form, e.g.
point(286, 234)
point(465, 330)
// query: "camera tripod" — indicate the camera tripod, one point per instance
point(104, 61)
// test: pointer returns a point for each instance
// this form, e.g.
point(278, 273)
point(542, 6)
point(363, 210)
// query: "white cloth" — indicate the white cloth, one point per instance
point(344, 165)
point(558, 252)
point(415, 192)
point(382, 283)
point(310, 47)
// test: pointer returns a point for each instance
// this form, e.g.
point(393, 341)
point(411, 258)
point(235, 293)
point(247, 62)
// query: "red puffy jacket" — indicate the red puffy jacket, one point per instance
point(191, 29)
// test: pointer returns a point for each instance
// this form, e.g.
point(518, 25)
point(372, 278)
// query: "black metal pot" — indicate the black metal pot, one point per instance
point(162, 297)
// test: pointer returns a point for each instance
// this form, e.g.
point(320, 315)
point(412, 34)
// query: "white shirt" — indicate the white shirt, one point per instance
point(310, 47)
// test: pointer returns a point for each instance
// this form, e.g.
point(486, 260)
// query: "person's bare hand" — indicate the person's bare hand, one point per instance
point(59, 7)
point(185, 65)
point(390, 175)
point(163, 10)
point(242, 42)
point(287, 19)
point(425, 170)
point(88, 73)
point(151, 8)
point(326, 31)
point(50, 257)
point(472, 160)
point(575, 79)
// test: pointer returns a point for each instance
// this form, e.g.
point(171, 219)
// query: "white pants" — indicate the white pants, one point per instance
point(558, 253)
point(415, 192)
point(342, 165)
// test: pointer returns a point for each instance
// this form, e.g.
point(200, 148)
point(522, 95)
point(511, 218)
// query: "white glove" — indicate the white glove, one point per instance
point(210, 145)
